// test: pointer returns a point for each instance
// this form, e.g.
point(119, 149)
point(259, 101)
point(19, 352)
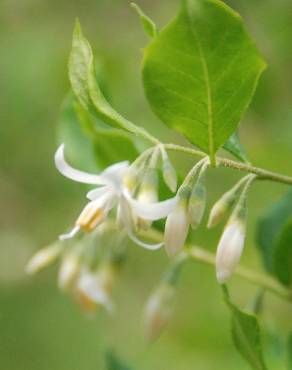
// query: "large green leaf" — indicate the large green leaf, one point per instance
point(201, 72)
point(270, 226)
point(246, 335)
point(282, 259)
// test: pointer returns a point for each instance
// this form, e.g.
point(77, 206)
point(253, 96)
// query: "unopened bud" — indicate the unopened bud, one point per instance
point(229, 250)
point(158, 311)
point(43, 258)
point(148, 193)
point(94, 289)
point(225, 203)
point(177, 227)
point(69, 270)
point(197, 205)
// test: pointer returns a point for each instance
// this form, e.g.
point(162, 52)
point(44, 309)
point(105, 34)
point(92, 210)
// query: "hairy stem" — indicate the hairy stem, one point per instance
point(262, 174)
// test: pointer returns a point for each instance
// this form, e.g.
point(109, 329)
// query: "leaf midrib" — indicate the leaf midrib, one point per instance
point(207, 86)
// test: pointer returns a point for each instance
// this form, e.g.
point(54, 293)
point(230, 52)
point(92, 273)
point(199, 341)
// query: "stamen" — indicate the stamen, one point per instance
point(71, 234)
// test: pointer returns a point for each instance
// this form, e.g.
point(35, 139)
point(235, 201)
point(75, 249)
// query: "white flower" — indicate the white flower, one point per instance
point(69, 270)
point(110, 193)
point(230, 249)
point(177, 227)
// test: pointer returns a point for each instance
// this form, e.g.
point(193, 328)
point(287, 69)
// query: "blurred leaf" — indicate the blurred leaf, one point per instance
point(270, 226)
point(90, 144)
point(78, 143)
point(86, 88)
point(290, 352)
point(149, 26)
point(233, 145)
point(201, 72)
point(283, 255)
point(246, 335)
point(114, 363)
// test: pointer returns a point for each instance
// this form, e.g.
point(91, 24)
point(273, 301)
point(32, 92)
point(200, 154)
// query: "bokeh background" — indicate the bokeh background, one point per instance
point(40, 328)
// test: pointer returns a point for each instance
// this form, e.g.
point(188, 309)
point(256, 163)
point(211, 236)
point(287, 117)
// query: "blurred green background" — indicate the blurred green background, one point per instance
point(40, 328)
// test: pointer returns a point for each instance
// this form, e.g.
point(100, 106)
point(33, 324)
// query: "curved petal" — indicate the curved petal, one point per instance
point(73, 174)
point(114, 168)
point(96, 193)
point(143, 244)
point(151, 211)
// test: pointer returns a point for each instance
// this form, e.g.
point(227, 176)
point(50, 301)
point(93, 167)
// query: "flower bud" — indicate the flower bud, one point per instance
point(230, 249)
point(177, 224)
point(158, 311)
point(148, 193)
point(226, 202)
point(197, 205)
point(43, 258)
point(94, 289)
point(69, 270)
point(169, 175)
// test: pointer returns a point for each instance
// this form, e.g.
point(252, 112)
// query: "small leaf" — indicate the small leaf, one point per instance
point(246, 335)
point(86, 88)
point(79, 146)
point(283, 255)
point(201, 72)
point(270, 226)
point(149, 26)
point(233, 145)
point(113, 362)
point(90, 144)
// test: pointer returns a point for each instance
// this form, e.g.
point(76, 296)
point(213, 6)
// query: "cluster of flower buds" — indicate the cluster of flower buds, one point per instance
point(88, 268)
point(231, 243)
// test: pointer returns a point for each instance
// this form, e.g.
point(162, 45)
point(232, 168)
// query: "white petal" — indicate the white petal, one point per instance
point(96, 193)
point(143, 244)
point(151, 211)
point(74, 174)
point(176, 229)
point(114, 168)
point(229, 251)
point(71, 234)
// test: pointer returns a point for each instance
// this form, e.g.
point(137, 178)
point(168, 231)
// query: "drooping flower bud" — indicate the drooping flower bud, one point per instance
point(231, 244)
point(69, 269)
point(94, 288)
point(148, 193)
point(197, 202)
point(225, 203)
point(43, 258)
point(177, 224)
point(168, 171)
point(158, 311)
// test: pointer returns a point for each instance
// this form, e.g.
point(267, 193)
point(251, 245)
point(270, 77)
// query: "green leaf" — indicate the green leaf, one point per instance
point(79, 145)
point(270, 227)
point(113, 362)
point(233, 145)
point(87, 90)
point(201, 72)
point(290, 352)
point(246, 335)
point(90, 144)
point(149, 26)
point(283, 255)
